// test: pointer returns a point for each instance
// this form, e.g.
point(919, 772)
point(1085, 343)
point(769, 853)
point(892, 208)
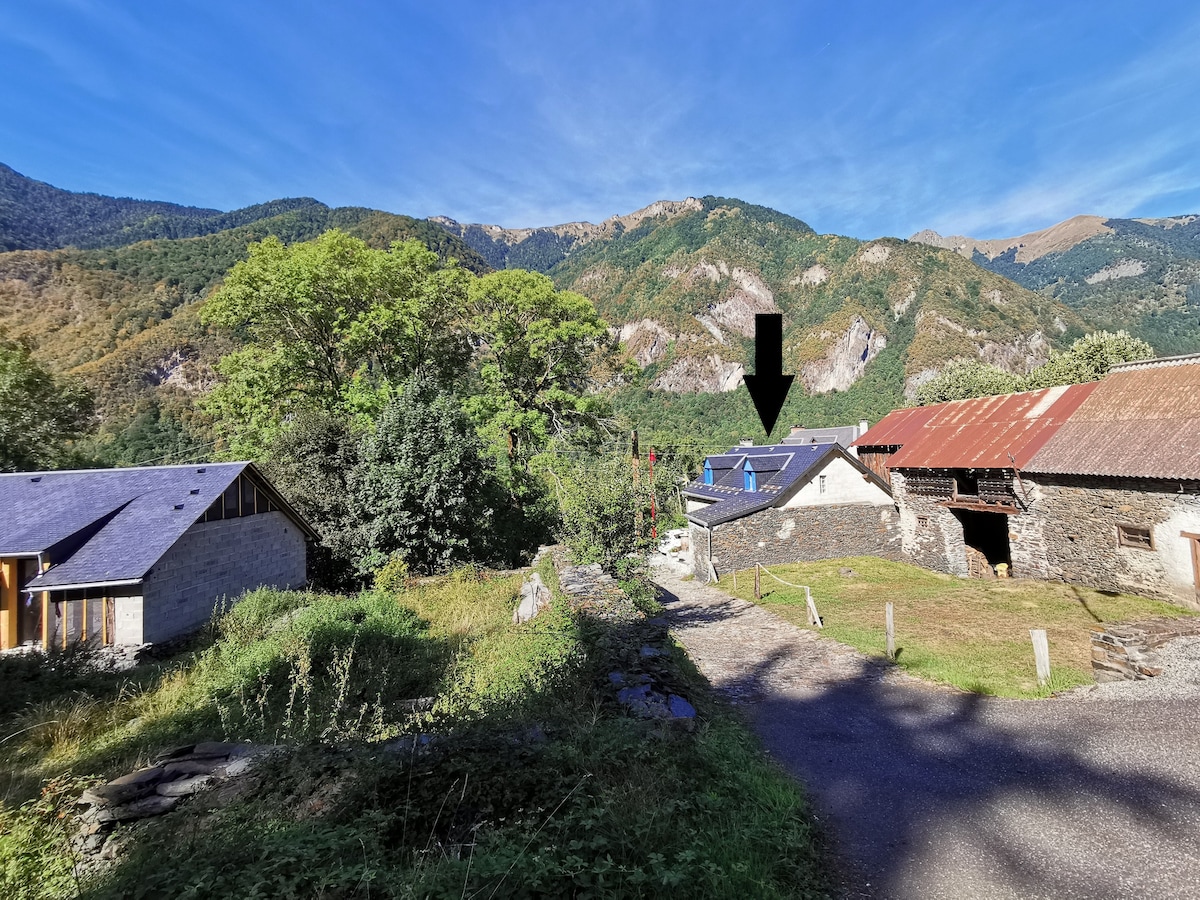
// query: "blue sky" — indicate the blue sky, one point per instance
point(862, 118)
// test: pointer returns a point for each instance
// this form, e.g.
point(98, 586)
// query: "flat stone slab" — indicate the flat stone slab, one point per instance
point(154, 805)
point(184, 787)
point(125, 789)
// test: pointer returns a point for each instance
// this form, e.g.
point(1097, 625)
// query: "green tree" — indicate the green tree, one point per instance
point(538, 349)
point(40, 413)
point(964, 377)
point(424, 489)
point(331, 325)
point(311, 461)
point(1088, 359)
point(601, 509)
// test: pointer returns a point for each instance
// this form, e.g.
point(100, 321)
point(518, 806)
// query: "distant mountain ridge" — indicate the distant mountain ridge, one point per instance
point(38, 216)
point(541, 249)
point(1142, 275)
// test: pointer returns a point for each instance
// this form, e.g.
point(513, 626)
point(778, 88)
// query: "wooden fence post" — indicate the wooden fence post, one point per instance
point(757, 581)
point(1041, 654)
point(891, 631)
point(813, 617)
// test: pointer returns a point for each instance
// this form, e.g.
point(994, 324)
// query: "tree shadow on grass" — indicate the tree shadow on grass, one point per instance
point(937, 793)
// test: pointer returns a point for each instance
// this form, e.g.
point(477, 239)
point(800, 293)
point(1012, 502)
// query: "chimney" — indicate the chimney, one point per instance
point(746, 442)
point(863, 425)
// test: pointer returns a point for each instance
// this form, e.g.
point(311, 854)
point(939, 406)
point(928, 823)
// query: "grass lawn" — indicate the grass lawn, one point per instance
point(968, 633)
point(536, 783)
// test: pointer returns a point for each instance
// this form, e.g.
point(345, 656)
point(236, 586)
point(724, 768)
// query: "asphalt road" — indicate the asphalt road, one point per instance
point(930, 793)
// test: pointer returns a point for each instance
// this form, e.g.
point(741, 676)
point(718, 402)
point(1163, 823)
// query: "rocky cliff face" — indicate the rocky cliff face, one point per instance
point(846, 359)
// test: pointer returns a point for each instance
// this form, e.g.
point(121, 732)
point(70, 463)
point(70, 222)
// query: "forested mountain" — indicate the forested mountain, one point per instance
point(1142, 275)
point(865, 322)
point(679, 281)
point(38, 216)
point(124, 318)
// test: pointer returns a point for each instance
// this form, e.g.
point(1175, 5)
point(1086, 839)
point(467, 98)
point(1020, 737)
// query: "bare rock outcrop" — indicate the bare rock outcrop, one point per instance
point(845, 359)
point(701, 375)
point(1126, 268)
point(646, 340)
point(736, 313)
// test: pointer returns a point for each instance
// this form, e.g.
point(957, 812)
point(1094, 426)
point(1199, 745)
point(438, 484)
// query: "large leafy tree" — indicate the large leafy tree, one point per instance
point(1088, 359)
point(538, 350)
point(962, 378)
point(331, 325)
point(40, 413)
point(424, 490)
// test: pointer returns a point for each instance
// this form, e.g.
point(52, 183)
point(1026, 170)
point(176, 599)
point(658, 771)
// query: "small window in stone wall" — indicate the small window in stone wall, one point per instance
point(1138, 536)
point(922, 521)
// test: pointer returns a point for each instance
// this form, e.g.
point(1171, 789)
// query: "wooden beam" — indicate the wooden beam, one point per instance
point(9, 629)
point(45, 609)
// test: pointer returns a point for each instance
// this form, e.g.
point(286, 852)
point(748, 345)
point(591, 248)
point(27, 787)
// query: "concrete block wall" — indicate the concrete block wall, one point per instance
point(215, 560)
point(807, 534)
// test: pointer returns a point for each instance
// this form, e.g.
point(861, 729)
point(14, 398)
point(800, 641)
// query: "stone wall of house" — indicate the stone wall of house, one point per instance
point(930, 535)
point(212, 561)
point(1079, 519)
point(776, 536)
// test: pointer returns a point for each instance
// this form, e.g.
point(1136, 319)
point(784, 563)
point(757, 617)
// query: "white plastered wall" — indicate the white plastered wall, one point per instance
point(843, 483)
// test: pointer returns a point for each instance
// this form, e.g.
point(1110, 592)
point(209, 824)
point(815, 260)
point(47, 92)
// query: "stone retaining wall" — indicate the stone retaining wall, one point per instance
point(1125, 651)
point(804, 534)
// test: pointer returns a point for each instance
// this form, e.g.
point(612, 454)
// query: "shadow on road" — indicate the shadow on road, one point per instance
point(935, 793)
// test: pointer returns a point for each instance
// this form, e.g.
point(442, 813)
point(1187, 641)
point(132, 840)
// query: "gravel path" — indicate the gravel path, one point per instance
point(932, 793)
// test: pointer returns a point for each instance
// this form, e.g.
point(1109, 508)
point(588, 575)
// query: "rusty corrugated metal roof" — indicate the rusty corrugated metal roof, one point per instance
point(898, 427)
point(1002, 432)
point(1142, 421)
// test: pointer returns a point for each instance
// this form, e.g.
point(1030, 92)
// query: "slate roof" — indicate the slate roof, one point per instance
point(110, 526)
point(781, 467)
point(1141, 421)
point(839, 434)
point(1002, 432)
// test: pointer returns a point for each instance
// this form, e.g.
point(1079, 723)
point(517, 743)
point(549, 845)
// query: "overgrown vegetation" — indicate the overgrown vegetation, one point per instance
point(971, 634)
point(1088, 359)
point(535, 783)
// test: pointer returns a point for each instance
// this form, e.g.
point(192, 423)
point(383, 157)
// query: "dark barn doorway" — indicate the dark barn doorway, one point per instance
point(987, 534)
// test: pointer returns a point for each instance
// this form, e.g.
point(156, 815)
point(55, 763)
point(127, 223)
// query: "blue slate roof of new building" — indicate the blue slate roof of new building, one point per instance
point(110, 526)
point(780, 468)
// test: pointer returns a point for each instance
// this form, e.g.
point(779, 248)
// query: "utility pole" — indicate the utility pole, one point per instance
point(653, 508)
point(637, 519)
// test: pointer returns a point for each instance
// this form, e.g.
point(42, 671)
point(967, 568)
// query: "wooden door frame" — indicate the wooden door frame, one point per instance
point(1194, 541)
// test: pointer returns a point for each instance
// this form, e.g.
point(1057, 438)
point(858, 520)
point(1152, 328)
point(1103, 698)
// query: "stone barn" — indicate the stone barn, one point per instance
point(956, 472)
point(1092, 484)
point(139, 555)
point(1117, 487)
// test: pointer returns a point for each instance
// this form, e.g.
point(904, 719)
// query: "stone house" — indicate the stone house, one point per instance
point(956, 472)
point(799, 500)
point(131, 556)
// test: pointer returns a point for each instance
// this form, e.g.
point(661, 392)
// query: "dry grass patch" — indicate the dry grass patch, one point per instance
point(971, 634)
